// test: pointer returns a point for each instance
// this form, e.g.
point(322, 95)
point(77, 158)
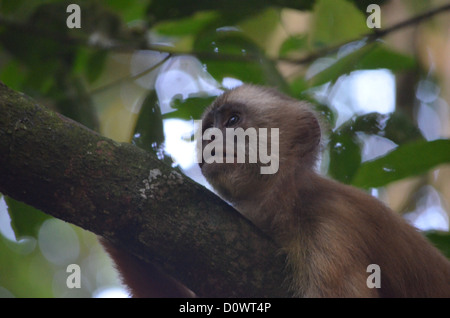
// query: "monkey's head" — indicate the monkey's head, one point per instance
point(255, 107)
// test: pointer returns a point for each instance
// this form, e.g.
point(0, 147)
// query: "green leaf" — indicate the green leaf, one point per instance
point(228, 53)
point(13, 74)
point(345, 157)
point(382, 57)
point(343, 66)
point(372, 56)
point(260, 27)
point(396, 127)
point(25, 220)
point(441, 240)
point(232, 10)
point(72, 100)
point(7, 7)
point(129, 10)
point(189, 108)
point(293, 43)
point(186, 26)
point(336, 21)
point(400, 129)
point(362, 4)
point(149, 131)
point(298, 86)
point(95, 64)
point(405, 161)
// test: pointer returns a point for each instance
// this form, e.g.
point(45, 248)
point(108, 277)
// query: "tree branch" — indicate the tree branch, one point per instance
point(135, 201)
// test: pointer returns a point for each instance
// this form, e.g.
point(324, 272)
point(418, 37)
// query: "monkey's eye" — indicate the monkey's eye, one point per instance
point(233, 120)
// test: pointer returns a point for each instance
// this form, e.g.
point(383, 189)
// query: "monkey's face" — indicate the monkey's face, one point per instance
point(226, 161)
point(252, 134)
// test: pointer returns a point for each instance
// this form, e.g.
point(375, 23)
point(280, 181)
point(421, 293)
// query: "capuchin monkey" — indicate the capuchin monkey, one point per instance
point(330, 232)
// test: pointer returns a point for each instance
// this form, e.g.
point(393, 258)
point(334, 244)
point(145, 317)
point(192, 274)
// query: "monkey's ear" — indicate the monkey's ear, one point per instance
point(316, 130)
point(309, 136)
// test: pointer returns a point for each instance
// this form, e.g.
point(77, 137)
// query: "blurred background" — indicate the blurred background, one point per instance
point(142, 71)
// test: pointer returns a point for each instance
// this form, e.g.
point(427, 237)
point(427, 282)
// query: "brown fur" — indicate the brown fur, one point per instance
point(331, 232)
point(144, 280)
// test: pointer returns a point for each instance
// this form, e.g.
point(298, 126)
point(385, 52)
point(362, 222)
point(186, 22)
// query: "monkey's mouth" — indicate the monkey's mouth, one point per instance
point(210, 158)
point(225, 161)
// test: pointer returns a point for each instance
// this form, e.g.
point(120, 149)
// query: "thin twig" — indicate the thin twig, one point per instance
point(128, 78)
point(415, 20)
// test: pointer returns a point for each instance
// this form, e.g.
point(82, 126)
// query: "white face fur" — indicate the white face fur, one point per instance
point(291, 129)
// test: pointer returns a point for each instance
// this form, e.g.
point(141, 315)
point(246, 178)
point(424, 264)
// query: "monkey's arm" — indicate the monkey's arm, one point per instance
point(144, 280)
